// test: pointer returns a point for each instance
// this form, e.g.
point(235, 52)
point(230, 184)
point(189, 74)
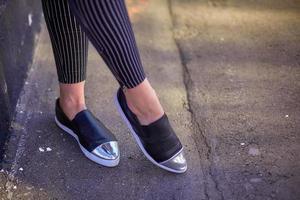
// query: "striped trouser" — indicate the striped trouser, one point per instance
point(71, 23)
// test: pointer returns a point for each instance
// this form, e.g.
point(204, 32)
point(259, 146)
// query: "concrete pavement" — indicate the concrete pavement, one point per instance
point(242, 72)
point(63, 172)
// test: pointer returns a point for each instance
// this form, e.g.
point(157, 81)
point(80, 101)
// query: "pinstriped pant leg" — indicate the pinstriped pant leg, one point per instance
point(107, 25)
point(69, 42)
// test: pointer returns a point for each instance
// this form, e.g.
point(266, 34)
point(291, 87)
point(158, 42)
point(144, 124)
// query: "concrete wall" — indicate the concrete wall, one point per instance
point(19, 28)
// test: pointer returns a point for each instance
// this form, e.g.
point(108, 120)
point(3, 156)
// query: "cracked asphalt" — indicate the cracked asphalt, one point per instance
point(227, 74)
point(241, 68)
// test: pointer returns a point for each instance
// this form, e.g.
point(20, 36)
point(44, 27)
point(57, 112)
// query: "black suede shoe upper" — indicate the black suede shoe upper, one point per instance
point(158, 138)
point(90, 131)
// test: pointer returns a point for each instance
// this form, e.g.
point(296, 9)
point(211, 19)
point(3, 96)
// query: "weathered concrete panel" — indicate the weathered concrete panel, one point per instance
point(19, 25)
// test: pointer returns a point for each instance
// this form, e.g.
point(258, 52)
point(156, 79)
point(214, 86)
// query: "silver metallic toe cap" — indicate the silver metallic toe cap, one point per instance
point(177, 163)
point(108, 150)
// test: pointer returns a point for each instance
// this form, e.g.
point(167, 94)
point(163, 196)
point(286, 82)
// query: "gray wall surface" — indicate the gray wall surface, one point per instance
point(19, 26)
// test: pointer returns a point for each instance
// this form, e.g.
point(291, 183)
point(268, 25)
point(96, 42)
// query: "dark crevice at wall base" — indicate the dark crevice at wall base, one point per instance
point(19, 27)
point(4, 112)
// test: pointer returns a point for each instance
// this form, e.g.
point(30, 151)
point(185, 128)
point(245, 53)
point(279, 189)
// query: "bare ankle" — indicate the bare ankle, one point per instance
point(72, 98)
point(143, 102)
point(71, 107)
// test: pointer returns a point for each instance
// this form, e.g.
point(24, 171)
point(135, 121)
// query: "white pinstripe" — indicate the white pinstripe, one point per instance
point(106, 23)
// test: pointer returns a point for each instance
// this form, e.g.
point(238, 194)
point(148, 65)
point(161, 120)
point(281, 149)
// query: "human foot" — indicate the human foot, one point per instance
point(71, 108)
point(157, 140)
point(72, 99)
point(143, 102)
point(94, 139)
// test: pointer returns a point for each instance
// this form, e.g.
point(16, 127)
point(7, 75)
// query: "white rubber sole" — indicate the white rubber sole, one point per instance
point(137, 139)
point(89, 155)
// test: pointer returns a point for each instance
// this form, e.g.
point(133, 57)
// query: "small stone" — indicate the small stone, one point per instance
point(41, 149)
point(29, 188)
point(255, 180)
point(26, 194)
point(29, 19)
point(286, 116)
point(15, 187)
point(242, 143)
point(248, 186)
point(21, 169)
point(254, 151)
point(48, 149)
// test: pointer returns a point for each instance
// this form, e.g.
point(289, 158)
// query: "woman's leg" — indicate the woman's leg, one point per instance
point(71, 98)
point(108, 27)
point(70, 47)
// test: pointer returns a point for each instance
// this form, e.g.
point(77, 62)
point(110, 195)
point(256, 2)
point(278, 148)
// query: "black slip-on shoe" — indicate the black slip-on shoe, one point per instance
point(157, 140)
point(94, 139)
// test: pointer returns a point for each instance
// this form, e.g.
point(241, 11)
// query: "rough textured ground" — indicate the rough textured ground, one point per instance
point(227, 73)
point(63, 172)
point(242, 71)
